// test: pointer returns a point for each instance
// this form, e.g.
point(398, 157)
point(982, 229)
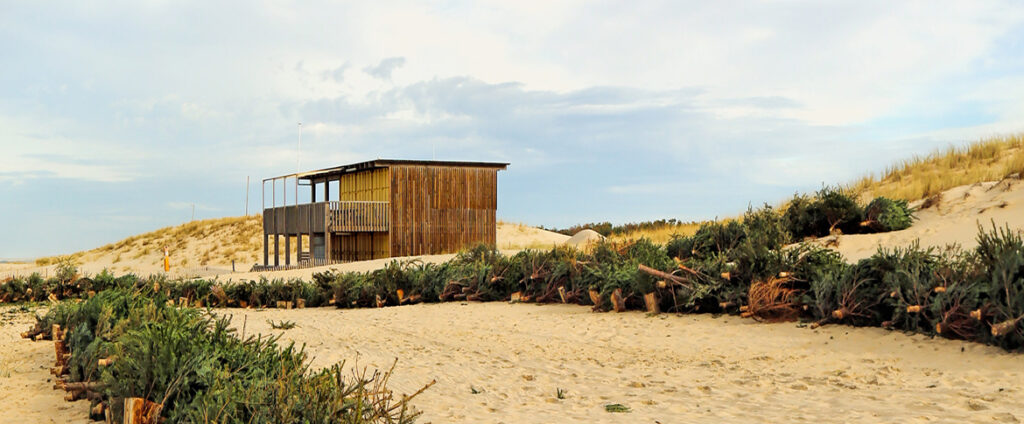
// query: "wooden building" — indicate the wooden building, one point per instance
point(379, 209)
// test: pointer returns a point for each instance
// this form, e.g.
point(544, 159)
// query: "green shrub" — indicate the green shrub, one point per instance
point(883, 215)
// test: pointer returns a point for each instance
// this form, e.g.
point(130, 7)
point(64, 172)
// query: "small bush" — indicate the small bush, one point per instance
point(884, 214)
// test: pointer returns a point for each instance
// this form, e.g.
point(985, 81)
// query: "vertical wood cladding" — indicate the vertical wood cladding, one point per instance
point(373, 185)
point(439, 209)
point(367, 186)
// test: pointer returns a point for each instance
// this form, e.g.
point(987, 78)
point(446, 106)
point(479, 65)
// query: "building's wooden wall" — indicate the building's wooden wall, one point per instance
point(374, 185)
point(370, 185)
point(439, 209)
point(359, 246)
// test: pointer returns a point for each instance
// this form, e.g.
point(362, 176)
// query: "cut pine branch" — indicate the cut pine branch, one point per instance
point(1005, 327)
point(664, 275)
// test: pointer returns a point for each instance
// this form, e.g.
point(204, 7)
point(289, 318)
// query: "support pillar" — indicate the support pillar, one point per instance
point(327, 220)
point(287, 249)
point(277, 250)
point(266, 248)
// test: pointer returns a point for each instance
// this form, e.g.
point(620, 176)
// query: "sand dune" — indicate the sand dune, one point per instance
point(666, 368)
point(143, 254)
point(954, 220)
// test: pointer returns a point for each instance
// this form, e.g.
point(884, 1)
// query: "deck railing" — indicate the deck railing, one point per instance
point(335, 216)
point(358, 216)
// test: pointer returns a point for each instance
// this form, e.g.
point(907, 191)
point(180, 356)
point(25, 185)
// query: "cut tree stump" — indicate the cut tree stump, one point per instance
point(651, 302)
point(595, 297)
point(300, 304)
point(220, 294)
point(141, 411)
point(516, 297)
point(618, 301)
point(401, 296)
point(59, 350)
point(561, 293)
point(97, 411)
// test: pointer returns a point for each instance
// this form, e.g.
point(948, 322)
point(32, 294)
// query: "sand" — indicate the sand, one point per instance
point(584, 238)
point(954, 221)
point(26, 386)
point(666, 368)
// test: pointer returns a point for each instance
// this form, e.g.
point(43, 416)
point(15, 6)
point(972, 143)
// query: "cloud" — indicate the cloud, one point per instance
point(336, 74)
point(686, 109)
point(384, 69)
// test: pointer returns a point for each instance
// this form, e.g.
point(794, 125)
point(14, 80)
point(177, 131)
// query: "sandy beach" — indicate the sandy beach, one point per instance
point(665, 368)
point(26, 386)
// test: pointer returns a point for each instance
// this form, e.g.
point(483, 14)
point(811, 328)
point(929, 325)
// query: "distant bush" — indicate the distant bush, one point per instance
point(884, 214)
point(608, 229)
point(819, 215)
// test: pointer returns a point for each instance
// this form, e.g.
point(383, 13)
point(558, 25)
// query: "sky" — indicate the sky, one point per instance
point(117, 118)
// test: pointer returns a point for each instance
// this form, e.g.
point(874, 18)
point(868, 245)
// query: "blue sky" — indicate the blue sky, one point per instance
point(116, 117)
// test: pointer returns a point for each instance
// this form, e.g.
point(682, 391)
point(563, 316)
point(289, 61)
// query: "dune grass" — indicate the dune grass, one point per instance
point(660, 234)
point(919, 177)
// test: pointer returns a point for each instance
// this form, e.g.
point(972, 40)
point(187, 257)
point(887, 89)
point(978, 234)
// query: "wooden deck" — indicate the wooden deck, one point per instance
point(333, 216)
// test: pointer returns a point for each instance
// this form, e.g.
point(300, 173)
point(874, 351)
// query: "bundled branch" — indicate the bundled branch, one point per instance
point(139, 360)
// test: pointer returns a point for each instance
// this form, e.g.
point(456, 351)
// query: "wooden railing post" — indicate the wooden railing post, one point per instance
point(327, 231)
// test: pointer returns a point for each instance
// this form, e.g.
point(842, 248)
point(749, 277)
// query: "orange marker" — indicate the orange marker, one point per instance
point(167, 261)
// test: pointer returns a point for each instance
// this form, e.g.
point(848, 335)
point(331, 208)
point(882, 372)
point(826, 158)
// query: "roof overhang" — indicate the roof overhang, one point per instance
point(383, 163)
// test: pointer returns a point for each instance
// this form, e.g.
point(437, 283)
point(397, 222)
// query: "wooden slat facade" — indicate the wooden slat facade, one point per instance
point(389, 208)
point(441, 209)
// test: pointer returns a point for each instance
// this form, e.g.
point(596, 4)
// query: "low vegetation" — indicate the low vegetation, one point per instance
point(658, 231)
point(920, 177)
point(738, 267)
point(129, 337)
point(129, 343)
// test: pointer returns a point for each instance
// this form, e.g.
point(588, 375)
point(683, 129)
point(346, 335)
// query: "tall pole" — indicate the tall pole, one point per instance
point(193, 211)
point(246, 195)
point(298, 169)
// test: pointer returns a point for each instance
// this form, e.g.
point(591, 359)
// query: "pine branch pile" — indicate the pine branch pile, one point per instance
point(736, 267)
point(133, 355)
